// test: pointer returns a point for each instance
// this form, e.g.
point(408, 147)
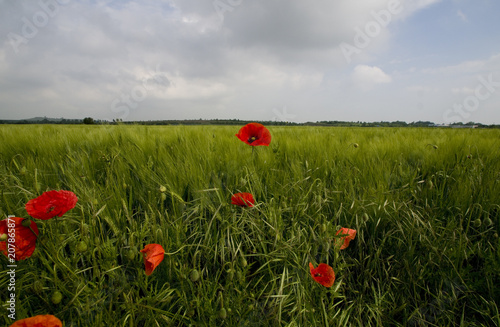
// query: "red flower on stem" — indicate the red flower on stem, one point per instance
point(51, 204)
point(348, 235)
point(153, 255)
point(21, 236)
point(254, 134)
point(323, 274)
point(38, 321)
point(243, 199)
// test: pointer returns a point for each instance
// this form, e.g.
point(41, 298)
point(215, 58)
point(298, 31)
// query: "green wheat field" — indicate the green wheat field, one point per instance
point(425, 204)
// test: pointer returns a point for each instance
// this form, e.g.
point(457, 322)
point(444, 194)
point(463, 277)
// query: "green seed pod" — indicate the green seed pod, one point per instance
point(163, 189)
point(56, 297)
point(131, 253)
point(223, 313)
point(3, 237)
point(85, 229)
point(81, 247)
point(163, 196)
point(230, 274)
point(488, 222)
point(431, 184)
point(355, 145)
point(477, 223)
point(37, 286)
point(26, 223)
point(194, 276)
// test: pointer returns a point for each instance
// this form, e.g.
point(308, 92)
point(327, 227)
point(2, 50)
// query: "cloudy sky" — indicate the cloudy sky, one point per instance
point(286, 60)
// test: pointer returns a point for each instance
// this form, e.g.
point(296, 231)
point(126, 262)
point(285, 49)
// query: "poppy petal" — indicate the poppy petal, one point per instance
point(322, 274)
point(243, 199)
point(254, 134)
point(24, 237)
point(349, 235)
point(153, 256)
point(51, 204)
point(38, 321)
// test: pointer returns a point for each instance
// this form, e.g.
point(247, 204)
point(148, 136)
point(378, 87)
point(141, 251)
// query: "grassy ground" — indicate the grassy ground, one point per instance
point(425, 203)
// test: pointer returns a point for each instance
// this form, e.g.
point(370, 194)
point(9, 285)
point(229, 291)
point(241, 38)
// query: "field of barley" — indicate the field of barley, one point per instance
point(425, 204)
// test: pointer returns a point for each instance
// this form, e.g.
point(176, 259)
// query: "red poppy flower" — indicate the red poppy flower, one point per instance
point(39, 321)
point(348, 235)
point(51, 204)
point(254, 134)
point(243, 199)
point(323, 274)
point(153, 255)
point(24, 237)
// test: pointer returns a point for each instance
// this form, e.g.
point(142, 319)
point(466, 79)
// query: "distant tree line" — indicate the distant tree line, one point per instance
point(334, 123)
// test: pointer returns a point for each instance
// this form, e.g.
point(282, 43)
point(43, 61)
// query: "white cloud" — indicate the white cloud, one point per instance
point(367, 76)
point(261, 55)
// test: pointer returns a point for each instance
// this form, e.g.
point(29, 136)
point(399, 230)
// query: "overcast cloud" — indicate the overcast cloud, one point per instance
point(293, 60)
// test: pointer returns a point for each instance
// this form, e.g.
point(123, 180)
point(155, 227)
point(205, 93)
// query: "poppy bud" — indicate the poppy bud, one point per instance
point(163, 189)
point(26, 223)
point(163, 196)
point(56, 297)
point(131, 253)
point(355, 145)
point(244, 262)
point(239, 276)
point(223, 313)
point(3, 237)
point(487, 222)
point(81, 247)
point(477, 223)
point(37, 287)
point(194, 276)
point(230, 275)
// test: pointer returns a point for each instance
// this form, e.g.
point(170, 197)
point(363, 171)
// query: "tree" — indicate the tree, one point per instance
point(88, 121)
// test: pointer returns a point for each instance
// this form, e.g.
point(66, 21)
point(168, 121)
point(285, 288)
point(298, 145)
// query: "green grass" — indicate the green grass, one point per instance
point(425, 203)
